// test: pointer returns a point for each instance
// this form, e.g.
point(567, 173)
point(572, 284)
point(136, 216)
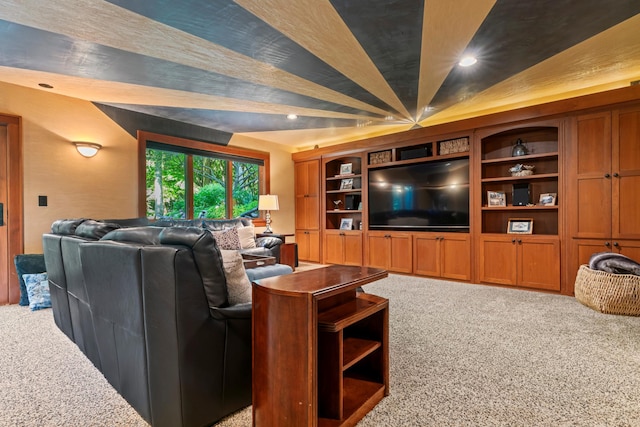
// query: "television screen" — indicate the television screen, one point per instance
point(423, 196)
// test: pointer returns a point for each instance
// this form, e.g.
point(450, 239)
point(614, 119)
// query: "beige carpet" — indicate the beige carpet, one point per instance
point(461, 355)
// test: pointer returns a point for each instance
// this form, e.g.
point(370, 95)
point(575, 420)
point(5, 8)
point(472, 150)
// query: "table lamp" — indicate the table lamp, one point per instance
point(268, 202)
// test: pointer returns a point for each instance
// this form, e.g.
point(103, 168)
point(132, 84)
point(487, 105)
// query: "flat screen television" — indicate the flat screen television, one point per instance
point(429, 196)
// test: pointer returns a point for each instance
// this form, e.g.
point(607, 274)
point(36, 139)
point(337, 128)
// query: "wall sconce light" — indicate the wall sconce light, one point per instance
point(87, 149)
point(268, 202)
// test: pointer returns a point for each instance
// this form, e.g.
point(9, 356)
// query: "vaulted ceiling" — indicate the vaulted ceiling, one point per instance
point(348, 69)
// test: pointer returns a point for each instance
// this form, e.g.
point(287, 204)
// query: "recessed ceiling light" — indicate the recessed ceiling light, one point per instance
point(45, 85)
point(467, 61)
point(292, 116)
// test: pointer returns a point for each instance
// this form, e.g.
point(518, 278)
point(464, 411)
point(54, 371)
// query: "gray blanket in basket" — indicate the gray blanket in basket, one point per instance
point(614, 263)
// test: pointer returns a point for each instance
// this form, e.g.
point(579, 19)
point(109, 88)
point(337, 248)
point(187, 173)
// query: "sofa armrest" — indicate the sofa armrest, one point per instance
point(268, 242)
point(238, 311)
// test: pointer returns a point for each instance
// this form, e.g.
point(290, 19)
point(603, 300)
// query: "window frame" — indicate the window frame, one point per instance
point(264, 172)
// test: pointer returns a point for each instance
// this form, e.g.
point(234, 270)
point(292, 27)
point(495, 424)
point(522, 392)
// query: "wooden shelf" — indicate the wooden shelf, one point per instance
point(344, 211)
point(360, 397)
point(519, 159)
point(352, 190)
point(341, 177)
point(522, 178)
point(520, 208)
point(341, 316)
point(356, 349)
point(419, 160)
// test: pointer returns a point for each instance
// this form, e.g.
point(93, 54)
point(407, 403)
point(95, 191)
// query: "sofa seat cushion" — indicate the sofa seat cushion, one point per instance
point(268, 271)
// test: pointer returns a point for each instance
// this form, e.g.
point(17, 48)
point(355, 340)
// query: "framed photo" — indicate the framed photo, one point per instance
point(496, 198)
point(520, 226)
point(346, 223)
point(346, 184)
point(548, 199)
point(346, 169)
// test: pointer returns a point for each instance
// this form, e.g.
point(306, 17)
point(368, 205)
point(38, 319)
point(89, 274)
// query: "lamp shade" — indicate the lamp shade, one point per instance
point(268, 202)
point(87, 149)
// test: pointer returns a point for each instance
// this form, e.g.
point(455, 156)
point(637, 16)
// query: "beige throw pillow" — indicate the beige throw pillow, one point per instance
point(247, 237)
point(238, 284)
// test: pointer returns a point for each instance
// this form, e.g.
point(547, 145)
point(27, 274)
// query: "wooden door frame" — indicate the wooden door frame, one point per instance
point(10, 289)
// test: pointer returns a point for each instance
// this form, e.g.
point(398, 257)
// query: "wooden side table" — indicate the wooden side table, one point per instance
point(320, 348)
point(288, 251)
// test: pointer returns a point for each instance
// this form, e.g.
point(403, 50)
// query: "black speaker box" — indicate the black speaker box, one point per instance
point(351, 201)
point(521, 194)
point(415, 153)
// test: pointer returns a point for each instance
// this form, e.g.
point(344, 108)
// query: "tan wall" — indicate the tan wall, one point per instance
point(104, 186)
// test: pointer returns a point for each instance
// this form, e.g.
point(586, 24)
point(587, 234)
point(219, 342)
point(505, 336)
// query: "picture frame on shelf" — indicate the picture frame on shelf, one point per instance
point(346, 169)
point(346, 184)
point(548, 199)
point(346, 223)
point(520, 226)
point(496, 198)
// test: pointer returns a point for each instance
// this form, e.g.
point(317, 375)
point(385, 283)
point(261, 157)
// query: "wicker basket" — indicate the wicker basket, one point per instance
point(607, 292)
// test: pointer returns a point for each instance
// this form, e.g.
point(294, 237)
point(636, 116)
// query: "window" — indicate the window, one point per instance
point(191, 179)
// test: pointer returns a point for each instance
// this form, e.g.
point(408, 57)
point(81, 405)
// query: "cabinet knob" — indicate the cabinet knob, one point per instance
point(606, 175)
point(616, 174)
point(616, 244)
point(607, 244)
point(519, 240)
point(513, 240)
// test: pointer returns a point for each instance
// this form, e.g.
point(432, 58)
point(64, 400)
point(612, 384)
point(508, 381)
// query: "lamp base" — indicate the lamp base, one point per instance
point(268, 230)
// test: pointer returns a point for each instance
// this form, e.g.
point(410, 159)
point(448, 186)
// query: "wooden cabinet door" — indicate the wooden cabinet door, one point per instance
point(401, 252)
point(426, 254)
point(589, 164)
point(455, 256)
point(352, 246)
point(308, 245)
point(539, 263)
point(307, 191)
point(625, 170)
point(498, 259)
point(333, 247)
point(630, 248)
point(307, 212)
point(378, 250)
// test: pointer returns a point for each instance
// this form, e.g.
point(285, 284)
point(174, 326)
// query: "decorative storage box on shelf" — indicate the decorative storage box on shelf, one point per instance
point(458, 145)
point(380, 157)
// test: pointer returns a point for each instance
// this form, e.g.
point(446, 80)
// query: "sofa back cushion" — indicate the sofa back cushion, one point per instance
point(94, 230)
point(224, 224)
point(66, 226)
point(143, 235)
point(207, 257)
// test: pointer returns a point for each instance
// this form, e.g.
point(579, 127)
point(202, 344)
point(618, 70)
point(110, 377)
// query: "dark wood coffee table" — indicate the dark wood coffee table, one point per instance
point(320, 347)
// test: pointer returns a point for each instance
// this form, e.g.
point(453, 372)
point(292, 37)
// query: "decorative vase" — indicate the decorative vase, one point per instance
point(519, 149)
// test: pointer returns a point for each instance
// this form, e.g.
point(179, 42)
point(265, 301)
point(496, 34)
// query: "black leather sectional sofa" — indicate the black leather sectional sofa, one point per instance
point(148, 306)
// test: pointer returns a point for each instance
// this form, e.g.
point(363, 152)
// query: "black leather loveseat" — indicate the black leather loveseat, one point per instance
point(148, 305)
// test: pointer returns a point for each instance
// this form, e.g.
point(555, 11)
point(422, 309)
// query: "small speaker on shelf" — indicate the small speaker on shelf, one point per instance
point(521, 195)
point(351, 201)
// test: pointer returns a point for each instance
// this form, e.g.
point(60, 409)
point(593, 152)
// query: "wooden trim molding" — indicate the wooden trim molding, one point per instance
point(9, 286)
